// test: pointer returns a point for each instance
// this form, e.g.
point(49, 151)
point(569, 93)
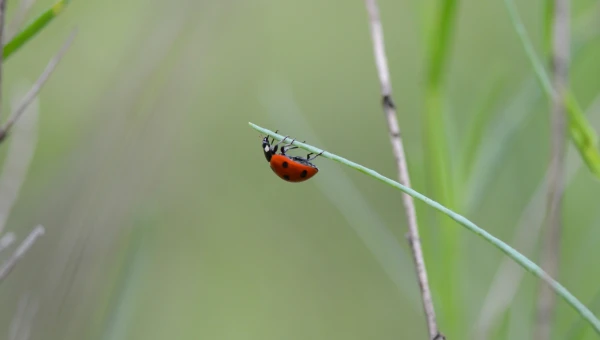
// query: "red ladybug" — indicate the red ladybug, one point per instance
point(289, 168)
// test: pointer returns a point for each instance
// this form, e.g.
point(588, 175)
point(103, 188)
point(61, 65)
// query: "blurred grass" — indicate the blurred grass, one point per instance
point(492, 150)
point(581, 133)
point(136, 120)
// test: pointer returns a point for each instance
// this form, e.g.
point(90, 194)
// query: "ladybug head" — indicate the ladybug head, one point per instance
point(268, 149)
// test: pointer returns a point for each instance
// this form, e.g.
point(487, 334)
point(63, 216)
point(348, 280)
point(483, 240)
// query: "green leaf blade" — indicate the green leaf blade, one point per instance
point(583, 135)
point(21, 38)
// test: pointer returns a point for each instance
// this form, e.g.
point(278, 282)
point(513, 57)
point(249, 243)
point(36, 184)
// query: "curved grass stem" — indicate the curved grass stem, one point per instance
point(519, 258)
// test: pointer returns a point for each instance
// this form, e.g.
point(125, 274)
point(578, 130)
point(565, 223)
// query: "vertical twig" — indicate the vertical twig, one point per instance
point(551, 243)
point(398, 150)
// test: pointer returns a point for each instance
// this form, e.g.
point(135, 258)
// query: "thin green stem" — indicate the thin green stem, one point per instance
point(477, 126)
point(519, 258)
point(440, 41)
point(33, 28)
point(548, 20)
point(537, 65)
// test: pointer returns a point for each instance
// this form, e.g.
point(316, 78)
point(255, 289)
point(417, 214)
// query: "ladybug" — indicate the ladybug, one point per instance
point(289, 168)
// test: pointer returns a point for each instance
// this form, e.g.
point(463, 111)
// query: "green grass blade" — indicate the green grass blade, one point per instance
point(581, 132)
point(438, 164)
point(118, 306)
point(482, 116)
point(537, 65)
point(440, 41)
point(548, 20)
point(577, 330)
point(519, 258)
point(33, 28)
point(496, 142)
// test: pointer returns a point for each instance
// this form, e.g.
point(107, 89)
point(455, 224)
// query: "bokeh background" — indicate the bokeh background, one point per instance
point(164, 221)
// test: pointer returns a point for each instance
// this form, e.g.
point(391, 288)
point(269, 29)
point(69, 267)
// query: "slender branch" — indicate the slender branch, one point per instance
point(2, 16)
point(519, 258)
point(403, 176)
point(8, 266)
point(35, 89)
point(551, 244)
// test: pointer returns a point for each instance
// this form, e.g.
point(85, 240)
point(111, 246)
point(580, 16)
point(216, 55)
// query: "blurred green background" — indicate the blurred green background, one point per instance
point(164, 221)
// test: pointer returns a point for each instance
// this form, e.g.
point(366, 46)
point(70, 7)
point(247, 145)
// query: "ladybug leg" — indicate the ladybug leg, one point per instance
point(288, 147)
point(274, 147)
point(308, 158)
point(284, 138)
point(273, 138)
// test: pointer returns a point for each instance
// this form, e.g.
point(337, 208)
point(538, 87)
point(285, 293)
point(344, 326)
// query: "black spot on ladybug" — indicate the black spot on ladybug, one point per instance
point(303, 174)
point(286, 177)
point(284, 164)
